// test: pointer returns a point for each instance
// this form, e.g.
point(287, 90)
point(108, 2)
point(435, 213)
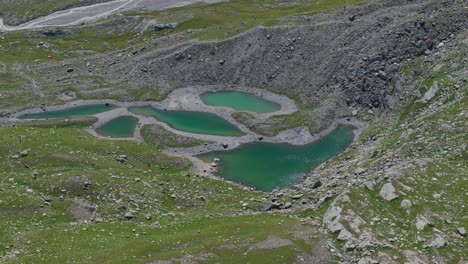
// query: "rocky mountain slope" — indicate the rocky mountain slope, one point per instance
point(397, 195)
point(331, 62)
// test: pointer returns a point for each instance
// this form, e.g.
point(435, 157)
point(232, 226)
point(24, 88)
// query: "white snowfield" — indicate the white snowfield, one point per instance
point(78, 15)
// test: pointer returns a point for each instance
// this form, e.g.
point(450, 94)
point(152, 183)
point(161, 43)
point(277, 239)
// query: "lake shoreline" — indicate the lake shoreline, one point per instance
point(204, 168)
point(188, 99)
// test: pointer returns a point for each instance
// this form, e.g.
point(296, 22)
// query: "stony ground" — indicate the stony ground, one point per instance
point(397, 195)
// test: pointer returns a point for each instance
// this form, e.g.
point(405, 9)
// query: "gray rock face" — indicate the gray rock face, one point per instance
point(388, 192)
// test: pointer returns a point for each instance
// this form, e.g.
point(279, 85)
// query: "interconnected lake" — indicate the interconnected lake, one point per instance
point(189, 121)
point(120, 127)
point(82, 110)
point(263, 165)
point(267, 166)
point(240, 101)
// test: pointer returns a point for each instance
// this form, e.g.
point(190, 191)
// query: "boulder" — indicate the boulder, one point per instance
point(388, 192)
point(335, 227)
point(161, 27)
point(369, 185)
point(129, 215)
point(461, 231)
point(344, 235)
point(421, 222)
point(429, 95)
point(24, 153)
point(122, 158)
point(360, 171)
point(317, 184)
point(437, 242)
point(350, 245)
point(332, 218)
point(267, 207)
point(297, 196)
point(406, 204)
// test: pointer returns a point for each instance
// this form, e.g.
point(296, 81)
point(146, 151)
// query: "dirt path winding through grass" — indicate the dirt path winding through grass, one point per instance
point(78, 15)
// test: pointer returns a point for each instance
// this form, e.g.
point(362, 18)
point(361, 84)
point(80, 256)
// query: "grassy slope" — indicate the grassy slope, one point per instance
point(197, 215)
point(223, 20)
point(208, 22)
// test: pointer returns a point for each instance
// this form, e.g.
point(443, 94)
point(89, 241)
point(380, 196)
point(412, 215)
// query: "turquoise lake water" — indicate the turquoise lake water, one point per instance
point(267, 166)
point(240, 101)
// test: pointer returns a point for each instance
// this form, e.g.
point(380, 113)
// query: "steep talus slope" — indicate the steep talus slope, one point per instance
point(339, 55)
point(398, 194)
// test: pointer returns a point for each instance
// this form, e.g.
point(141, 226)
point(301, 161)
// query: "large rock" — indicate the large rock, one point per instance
point(431, 92)
point(344, 235)
point(406, 204)
point(335, 227)
point(332, 218)
point(369, 185)
point(421, 222)
point(24, 153)
point(388, 192)
point(161, 27)
point(461, 231)
point(354, 220)
point(129, 215)
point(267, 207)
point(437, 242)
